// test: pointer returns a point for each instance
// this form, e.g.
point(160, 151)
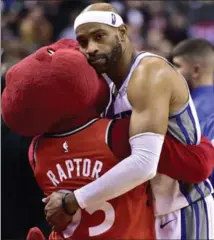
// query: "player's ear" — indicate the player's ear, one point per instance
point(123, 30)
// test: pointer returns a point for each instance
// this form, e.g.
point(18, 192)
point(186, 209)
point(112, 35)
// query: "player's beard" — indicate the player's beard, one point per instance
point(108, 60)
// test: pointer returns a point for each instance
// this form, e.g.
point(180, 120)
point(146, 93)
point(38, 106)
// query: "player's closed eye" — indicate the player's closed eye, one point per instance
point(99, 36)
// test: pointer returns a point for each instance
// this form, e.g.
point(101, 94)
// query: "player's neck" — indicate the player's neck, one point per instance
point(119, 73)
point(74, 123)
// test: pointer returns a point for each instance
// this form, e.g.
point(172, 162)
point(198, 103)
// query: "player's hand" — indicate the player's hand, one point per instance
point(55, 213)
point(60, 222)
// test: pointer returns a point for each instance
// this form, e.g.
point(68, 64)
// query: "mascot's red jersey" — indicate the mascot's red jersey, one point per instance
point(73, 159)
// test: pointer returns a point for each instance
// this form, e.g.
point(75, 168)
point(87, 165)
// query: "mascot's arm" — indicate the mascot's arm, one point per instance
point(197, 160)
point(189, 163)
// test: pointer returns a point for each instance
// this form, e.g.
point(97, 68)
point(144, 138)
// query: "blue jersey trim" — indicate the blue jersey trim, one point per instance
point(193, 122)
point(183, 129)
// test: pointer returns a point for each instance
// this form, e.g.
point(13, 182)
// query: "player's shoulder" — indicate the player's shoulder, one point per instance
point(151, 73)
point(152, 69)
point(152, 63)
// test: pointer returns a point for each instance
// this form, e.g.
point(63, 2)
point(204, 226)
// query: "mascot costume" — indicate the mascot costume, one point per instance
point(57, 97)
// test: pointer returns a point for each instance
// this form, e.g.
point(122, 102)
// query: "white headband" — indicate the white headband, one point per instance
point(108, 18)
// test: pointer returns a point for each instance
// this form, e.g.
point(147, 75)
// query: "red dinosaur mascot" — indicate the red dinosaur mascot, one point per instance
point(39, 90)
point(56, 96)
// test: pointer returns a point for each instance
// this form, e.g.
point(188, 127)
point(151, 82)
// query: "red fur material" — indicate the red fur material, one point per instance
point(46, 92)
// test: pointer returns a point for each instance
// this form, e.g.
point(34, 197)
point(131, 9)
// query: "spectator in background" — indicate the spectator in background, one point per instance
point(157, 43)
point(36, 23)
point(201, 19)
point(194, 58)
point(69, 32)
point(135, 22)
point(35, 30)
point(176, 29)
point(12, 52)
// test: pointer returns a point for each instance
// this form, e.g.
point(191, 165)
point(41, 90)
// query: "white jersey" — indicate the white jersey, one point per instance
point(169, 194)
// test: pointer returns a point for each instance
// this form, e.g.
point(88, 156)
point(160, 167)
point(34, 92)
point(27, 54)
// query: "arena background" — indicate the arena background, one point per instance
point(155, 26)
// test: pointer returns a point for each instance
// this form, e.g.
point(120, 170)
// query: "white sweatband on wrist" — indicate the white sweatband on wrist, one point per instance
point(108, 18)
point(134, 170)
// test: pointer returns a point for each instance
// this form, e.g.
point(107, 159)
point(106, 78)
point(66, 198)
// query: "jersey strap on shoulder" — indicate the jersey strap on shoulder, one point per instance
point(108, 135)
point(73, 131)
point(31, 152)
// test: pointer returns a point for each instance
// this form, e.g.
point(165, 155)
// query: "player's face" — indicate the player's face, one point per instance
point(184, 68)
point(100, 44)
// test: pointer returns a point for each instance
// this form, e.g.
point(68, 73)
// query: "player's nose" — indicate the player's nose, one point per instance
point(92, 49)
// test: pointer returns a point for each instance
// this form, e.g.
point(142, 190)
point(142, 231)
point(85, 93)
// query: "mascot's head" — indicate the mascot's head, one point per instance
point(52, 90)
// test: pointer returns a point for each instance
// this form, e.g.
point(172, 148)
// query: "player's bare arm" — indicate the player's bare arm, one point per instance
point(150, 93)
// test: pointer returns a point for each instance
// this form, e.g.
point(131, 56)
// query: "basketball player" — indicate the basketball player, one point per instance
point(158, 99)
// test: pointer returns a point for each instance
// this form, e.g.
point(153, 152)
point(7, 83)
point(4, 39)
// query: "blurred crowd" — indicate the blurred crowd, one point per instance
point(155, 26)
